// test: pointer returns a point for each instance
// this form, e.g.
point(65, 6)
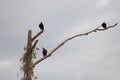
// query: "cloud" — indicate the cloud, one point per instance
point(4, 64)
point(103, 3)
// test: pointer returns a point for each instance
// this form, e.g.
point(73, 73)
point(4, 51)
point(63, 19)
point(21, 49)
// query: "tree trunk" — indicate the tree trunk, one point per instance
point(28, 71)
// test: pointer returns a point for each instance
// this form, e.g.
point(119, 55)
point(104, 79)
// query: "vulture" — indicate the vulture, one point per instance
point(44, 52)
point(41, 26)
point(104, 25)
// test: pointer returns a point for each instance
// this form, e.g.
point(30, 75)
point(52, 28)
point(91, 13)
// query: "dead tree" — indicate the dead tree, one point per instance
point(29, 56)
point(28, 64)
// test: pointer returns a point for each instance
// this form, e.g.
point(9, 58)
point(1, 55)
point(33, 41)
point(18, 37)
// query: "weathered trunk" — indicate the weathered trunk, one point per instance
point(28, 71)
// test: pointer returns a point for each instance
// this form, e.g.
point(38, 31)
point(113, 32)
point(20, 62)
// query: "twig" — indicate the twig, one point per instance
point(70, 38)
point(33, 47)
point(37, 35)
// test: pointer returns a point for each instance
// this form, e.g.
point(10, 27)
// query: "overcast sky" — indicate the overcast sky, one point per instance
point(92, 57)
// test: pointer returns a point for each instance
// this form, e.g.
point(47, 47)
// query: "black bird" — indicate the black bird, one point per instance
point(41, 26)
point(44, 52)
point(104, 25)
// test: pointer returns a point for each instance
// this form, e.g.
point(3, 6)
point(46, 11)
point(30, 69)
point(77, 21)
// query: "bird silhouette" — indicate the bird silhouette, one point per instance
point(41, 26)
point(104, 25)
point(44, 52)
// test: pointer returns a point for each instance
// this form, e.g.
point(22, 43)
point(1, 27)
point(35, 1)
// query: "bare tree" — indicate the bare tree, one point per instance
point(28, 64)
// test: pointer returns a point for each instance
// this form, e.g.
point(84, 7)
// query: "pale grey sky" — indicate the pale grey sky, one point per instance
point(95, 57)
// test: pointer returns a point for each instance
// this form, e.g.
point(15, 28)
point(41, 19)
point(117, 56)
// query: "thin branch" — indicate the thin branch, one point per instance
point(37, 35)
point(33, 47)
point(107, 27)
point(70, 38)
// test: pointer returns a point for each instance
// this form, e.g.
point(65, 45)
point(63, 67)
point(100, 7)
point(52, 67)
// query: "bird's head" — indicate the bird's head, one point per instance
point(41, 23)
point(43, 48)
point(104, 22)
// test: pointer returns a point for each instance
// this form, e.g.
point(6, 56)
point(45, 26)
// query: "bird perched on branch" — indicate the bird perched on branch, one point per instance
point(41, 26)
point(104, 25)
point(44, 52)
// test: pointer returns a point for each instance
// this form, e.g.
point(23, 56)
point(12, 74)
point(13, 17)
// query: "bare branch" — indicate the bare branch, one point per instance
point(34, 44)
point(37, 35)
point(70, 38)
